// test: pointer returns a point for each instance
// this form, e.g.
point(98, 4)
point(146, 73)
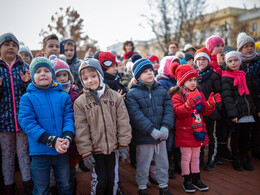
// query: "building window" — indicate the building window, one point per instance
point(254, 27)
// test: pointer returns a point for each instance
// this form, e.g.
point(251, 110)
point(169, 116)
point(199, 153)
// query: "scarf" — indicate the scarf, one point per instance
point(66, 86)
point(239, 77)
point(248, 58)
point(205, 74)
point(128, 55)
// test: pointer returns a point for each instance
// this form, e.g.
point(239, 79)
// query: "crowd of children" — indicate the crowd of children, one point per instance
point(58, 111)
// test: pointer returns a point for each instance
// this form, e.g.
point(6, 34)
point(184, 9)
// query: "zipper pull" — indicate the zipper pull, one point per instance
point(150, 95)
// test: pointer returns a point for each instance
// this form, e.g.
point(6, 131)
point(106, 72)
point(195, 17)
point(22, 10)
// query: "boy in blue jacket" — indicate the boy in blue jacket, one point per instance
point(151, 116)
point(46, 116)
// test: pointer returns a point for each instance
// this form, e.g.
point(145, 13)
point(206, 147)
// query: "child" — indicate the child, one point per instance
point(26, 53)
point(189, 107)
point(240, 98)
point(50, 46)
point(69, 49)
point(151, 115)
point(14, 79)
point(189, 59)
point(155, 61)
point(109, 66)
point(188, 48)
point(102, 127)
point(209, 81)
point(46, 116)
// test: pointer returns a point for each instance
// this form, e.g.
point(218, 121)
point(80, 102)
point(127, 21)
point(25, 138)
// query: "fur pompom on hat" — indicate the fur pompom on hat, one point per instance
point(140, 66)
point(182, 73)
point(106, 59)
point(60, 65)
point(235, 54)
point(203, 52)
point(242, 39)
point(212, 42)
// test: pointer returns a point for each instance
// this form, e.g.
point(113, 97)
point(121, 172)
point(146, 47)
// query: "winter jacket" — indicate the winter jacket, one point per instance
point(210, 82)
point(184, 132)
point(166, 82)
point(101, 128)
point(45, 111)
point(253, 68)
point(113, 81)
point(11, 90)
point(148, 109)
point(236, 105)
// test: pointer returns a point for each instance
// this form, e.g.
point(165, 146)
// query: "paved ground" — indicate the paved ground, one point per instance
point(224, 180)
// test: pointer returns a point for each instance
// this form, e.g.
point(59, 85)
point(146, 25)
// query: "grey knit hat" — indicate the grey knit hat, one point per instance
point(24, 48)
point(242, 39)
point(233, 54)
point(8, 37)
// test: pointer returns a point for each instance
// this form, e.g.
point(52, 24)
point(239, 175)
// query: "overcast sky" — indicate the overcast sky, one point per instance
point(108, 21)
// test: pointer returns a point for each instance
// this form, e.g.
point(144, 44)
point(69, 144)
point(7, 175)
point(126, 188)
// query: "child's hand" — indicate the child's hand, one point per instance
point(65, 144)
point(234, 120)
point(25, 77)
point(220, 59)
point(189, 103)
point(121, 93)
point(213, 99)
point(0, 81)
point(58, 146)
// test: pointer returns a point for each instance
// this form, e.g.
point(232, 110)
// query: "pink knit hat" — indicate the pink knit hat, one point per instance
point(212, 42)
point(165, 64)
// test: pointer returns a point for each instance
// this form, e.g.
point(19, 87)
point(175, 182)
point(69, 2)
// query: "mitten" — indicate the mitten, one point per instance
point(189, 103)
point(165, 133)
point(123, 153)
point(200, 136)
point(213, 99)
point(90, 162)
point(156, 134)
point(196, 97)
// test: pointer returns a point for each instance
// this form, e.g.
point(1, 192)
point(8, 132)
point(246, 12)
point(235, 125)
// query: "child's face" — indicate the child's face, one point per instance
point(26, 57)
point(121, 67)
point(202, 63)
point(191, 83)
point(42, 76)
point(173, 49)
point(112, 69)
point(69, 51)
point(128, 47)
point(52, 48)
point(147, 75)
point(248, 48)
point(191, 62)
point(9, 50)
point(156, 65)
point(90, 79)
point(191, 51)
point(62, 76)
point(233, 63)
point(218, 49)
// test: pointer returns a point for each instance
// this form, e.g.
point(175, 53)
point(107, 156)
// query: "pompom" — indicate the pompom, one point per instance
point(241, 35)
point(53, 57)
point(135, 57)
point(173, 68)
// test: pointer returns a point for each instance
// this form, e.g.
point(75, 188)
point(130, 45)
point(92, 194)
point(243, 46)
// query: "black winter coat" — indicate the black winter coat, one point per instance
point(114, 82)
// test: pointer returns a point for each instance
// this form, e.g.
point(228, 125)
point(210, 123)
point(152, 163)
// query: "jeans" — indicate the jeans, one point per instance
point(40, 167)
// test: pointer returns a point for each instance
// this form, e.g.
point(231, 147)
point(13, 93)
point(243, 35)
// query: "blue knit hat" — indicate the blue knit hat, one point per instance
point(188, 56)
point(41, 62)
point(140, 66)
point(8, 37)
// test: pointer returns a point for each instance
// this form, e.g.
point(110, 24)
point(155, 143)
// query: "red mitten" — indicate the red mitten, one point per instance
point(213, 99)
point(189, 103)
point(195, 96)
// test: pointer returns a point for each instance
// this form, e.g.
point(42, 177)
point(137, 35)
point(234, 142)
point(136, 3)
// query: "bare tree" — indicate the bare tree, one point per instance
point(67, 23)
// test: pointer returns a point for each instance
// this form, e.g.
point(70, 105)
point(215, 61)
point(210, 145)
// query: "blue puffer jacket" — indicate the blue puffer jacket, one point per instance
point(148, 109)
point(11, 91)
point(47, 111)
point(166, 82)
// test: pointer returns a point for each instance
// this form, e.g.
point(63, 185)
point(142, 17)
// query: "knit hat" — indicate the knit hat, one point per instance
point(182, 72)
point(165, 64)
point(203, 52)
point(24, 48)
point(60, 65)
point(106, 59)
point(188, 46)
point(135, 57)
point(212, 42)
point(242, 39)
point(233, 54)
point(140, 66)
point(41, 62)
point(152, 58)
point(8, 37)
point(188, 56)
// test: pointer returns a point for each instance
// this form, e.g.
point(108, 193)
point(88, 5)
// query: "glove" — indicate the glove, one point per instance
point(156, 134)
point(165, 133)
point(200, 136)
point(189, 103)
point(196, 97)
point(123, 153)
point(213, 99)
point(90, 162)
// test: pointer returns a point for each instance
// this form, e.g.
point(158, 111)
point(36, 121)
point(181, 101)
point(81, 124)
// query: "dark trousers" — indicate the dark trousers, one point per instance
point(211, 130)
point(105, 174)
point(222, 130)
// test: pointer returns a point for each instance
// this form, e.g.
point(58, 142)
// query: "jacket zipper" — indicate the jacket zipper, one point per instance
point(104, 126)
point(153, 107)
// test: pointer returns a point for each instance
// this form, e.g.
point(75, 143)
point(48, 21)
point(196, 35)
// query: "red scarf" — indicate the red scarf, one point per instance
point(239, 77)
point(128, 55)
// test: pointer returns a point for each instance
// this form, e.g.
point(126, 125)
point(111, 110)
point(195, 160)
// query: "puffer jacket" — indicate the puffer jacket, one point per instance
point(45, 111)
point(101, 128)
point(166, 81)
point(236, 105)
point(148, 109)
point(11, 90)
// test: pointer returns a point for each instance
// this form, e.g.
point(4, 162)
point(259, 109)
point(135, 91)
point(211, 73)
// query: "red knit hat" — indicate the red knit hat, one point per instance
point(152, 58)
point(203, 52)
point(182, 72)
